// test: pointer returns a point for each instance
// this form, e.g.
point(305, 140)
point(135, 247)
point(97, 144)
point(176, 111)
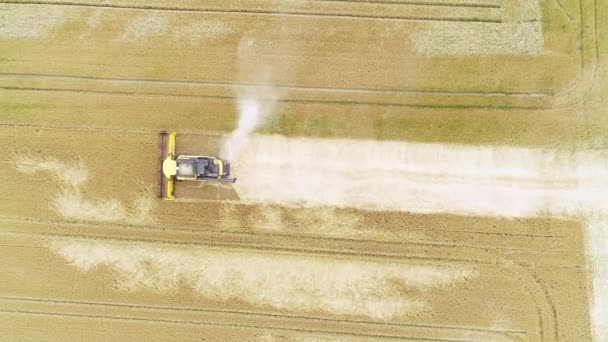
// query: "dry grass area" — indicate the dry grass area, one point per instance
point(407, 170)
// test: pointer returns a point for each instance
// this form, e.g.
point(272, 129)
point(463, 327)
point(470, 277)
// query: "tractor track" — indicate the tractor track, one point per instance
point(240, 85)
point(281, 100)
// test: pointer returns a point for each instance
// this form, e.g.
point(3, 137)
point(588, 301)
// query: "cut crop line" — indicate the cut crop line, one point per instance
point(264, 314)
point(272, 86)
point(419, 3)
point(257, 12)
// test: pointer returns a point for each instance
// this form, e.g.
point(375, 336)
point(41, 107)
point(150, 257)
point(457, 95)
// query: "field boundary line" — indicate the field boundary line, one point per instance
point(254, 12)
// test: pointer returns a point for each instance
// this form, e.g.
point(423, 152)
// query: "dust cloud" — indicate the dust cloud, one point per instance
point(260, 71)
point(252, 113)
point(255, 103)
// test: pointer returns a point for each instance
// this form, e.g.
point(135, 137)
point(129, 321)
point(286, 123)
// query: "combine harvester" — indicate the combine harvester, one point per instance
point(183, 167)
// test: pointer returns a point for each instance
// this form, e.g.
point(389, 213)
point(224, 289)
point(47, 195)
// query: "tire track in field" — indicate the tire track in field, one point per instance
point(239, 85)
point(284, 100)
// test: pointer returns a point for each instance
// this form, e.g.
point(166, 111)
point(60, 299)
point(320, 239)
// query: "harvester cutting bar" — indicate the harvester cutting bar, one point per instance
point(161, 177)
point(167, 150)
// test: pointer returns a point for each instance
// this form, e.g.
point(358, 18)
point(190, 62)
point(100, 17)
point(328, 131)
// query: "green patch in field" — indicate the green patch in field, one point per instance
point(325, 126)
point(456, 129)
point(279, 124)
point(7, 52)
point(321, 126)
point(18, 111)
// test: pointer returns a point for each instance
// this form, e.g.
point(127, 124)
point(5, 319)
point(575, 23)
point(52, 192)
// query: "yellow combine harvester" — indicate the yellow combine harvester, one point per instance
point(187, 167)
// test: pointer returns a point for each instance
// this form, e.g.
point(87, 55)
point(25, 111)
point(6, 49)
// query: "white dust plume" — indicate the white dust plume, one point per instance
point(260, 71)
point(254, 102)
point(252, 114)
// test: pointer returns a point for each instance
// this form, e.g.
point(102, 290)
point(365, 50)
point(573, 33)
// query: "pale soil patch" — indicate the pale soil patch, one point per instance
point(427, 178)
point(95, 19)
point(454, 38)
point(289, 282)
point(321, 221)
point(521, 33)
point(70, 202)
point(74, 174)
point(159, 24)
point(302, 338)
point(198, 31)
point(28, 22)
point(146, 25)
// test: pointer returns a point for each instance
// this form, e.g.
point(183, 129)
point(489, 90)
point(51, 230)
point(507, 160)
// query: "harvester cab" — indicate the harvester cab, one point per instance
point(188, 167)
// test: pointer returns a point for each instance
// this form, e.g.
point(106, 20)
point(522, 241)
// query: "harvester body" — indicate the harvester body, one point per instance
point(188, 167)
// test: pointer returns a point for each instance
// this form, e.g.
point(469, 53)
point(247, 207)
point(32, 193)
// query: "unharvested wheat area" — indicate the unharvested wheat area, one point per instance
point(405, 170)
